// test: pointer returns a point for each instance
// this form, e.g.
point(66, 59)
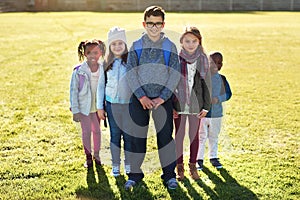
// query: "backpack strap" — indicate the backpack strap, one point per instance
point(166, 46)
point(81, 78)
point(138, 47)
point(76, 68)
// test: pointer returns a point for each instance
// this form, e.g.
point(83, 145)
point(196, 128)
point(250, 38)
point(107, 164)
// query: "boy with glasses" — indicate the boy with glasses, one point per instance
point(152, 80)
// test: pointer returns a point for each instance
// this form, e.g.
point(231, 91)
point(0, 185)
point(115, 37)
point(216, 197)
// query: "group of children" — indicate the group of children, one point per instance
point(152, 77)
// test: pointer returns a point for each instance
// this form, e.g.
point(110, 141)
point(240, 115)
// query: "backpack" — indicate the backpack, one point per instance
point(81, 78)
point(166, 46)
point(225, 89)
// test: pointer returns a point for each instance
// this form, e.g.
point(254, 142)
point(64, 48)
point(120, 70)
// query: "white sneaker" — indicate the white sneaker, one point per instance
point(127, 169)
point(115, 171)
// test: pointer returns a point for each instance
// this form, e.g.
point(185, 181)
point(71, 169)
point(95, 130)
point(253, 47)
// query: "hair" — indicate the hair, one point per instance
point(192, 30)
point(82, 47)
point(108, 63)
point(154, 11)
point(215, 54)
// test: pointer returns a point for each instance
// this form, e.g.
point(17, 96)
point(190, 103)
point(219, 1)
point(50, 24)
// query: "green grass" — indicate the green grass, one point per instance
point(40, 146)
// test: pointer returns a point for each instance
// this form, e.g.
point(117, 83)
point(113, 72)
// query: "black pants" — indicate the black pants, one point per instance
point(163, 121)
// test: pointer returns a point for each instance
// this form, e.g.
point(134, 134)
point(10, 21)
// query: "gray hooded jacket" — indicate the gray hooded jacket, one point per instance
point(149, 76)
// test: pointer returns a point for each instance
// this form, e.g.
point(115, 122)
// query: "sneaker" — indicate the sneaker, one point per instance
point(115, 171)
point(200, 165)
point(129, 184)
point(127, 169)
point(215, 162)
point(172, 184)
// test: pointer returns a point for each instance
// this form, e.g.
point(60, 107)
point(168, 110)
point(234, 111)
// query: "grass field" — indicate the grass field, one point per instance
point(40, 146)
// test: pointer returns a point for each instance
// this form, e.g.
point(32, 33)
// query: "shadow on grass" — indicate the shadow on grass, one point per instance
point(138, 191)
point(178, 193)
point(141, 190)
point(225, 187)
point(228, 189)
point(100, 190)
point(192, 192)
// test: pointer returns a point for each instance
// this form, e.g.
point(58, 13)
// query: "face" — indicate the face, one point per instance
point(92, 53)
point(154, 26)
point(216, 64)
point(117, 47)
point(190, 43)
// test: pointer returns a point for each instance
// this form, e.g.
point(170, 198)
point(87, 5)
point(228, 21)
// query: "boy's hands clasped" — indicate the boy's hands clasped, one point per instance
point(150, 104)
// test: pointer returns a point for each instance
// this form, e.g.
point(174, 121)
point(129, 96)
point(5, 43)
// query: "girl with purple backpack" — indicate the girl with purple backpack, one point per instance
point(83, 89)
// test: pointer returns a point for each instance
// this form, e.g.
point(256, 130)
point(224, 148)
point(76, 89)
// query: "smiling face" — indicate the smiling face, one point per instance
point(190, 43)
point(154, 26)
point(117, 47)
point(92, 53)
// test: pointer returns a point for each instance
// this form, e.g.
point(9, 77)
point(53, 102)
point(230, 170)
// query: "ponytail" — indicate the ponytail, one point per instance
point(82, 46)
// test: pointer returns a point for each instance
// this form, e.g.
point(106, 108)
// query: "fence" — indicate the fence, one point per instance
point(140, 5)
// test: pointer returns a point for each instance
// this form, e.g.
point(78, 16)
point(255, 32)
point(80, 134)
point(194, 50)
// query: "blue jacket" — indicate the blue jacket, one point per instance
point(220, 90)
point(116, 89)
point(149, 76)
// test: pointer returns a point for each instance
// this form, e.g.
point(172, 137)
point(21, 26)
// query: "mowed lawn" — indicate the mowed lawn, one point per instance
point(41, 151)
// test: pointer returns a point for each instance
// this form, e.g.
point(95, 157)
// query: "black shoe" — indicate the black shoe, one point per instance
point(98, 162)
point(200, 165)
point(88, 163)
point(215, 162)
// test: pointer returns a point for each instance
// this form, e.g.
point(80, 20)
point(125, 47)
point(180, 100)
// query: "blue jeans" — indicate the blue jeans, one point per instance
point(118, 118)
point(163, 121)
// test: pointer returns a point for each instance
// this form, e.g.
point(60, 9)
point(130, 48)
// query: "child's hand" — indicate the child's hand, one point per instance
point(101, 114)
point(157, 102)
point(202, 114)
point(76, 117)
point(146, 103)
point(175, 114)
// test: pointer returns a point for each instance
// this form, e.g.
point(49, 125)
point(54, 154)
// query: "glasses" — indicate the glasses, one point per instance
point(152, 24)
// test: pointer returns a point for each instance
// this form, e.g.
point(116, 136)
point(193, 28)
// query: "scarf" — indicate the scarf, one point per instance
point(190, 58)
point(198, 56)
point(202, 68)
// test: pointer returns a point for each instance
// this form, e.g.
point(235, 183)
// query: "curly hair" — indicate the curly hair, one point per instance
point(82, 46)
